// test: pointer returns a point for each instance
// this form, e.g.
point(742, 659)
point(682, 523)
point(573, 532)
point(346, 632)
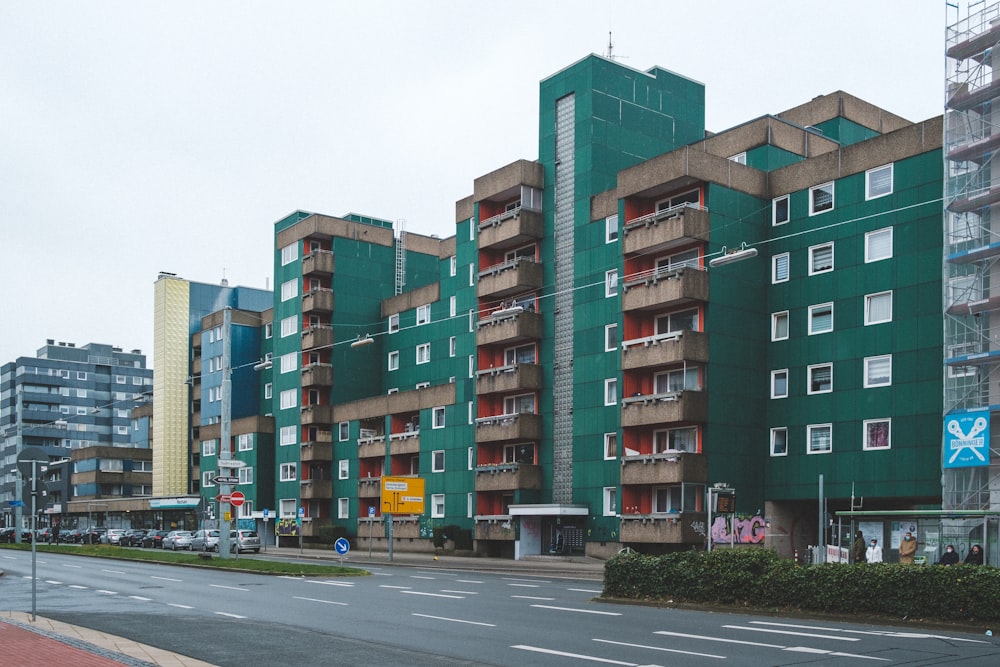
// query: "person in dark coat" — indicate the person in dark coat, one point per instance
point(950, 557)
point(975, 555)
point(859, 548)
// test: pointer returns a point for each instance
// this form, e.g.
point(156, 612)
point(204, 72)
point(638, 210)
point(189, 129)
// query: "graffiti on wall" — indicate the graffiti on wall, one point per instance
point(738, 530)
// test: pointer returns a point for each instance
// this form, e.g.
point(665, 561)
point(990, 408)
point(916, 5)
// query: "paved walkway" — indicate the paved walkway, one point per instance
point(45, 642)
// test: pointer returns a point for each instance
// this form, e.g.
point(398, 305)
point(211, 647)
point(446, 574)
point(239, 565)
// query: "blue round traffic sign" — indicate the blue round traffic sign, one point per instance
point(342, 545)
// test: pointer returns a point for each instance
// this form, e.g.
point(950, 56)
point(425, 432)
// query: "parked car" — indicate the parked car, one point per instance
point(8, 535)
point(92, 535)
point(112, 536)
point(44, 535)
point(248, 540)
point(178, 539)
point(205, 540)
point(132, 538)
point(74, 536)
point(154, 539)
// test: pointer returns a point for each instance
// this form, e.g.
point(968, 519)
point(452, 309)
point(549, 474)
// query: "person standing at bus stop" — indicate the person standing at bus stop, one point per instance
point(907, 549)
point(858, 548)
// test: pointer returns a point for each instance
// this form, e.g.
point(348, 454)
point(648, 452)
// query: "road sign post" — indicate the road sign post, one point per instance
point(404, 495)
point(263, 540)
point(27, 463)
point(342, 546)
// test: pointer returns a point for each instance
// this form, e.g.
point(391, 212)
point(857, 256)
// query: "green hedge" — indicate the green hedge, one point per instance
point(761, 578)
point(330, 534)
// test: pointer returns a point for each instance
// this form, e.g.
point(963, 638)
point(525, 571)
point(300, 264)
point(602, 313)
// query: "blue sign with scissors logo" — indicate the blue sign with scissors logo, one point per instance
point(967, 439)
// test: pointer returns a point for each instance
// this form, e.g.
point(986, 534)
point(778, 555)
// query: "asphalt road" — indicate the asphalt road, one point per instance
point(413, 616)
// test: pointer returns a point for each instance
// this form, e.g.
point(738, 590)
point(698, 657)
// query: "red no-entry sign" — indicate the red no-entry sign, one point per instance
point(236, 498)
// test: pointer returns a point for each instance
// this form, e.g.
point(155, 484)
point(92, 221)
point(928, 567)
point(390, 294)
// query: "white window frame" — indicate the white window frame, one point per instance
point(452, 265)
point(343, 508)
point(290, 253)
point(868, 181)
point(289, 289)
point(611, 283)
point(288, 399)
point(869, 300)
point(452, 306)
point(739, 158)
point(776, 318)
point(288, 435)
point(610, 446)
point(343, 469)
point(423, 353)
point(437, 417)
point(611, 232)
point(209, 447)
point(437, 460)
point(611, 337)
point(869, 250)
point(423, 314)
point(392, 363)
point(776, 261)
point(244, 442)
point(775, 375)
point(809, 378)
point(343, 431)
point(289, 326)
point(869, 361)
point(815, 428)
point(245, 475)
point(815, 209)
point(268, 390)
point(287, 508)
point(394, 323)
point(437, 506)
point(452, 346)
point(775, 206)
point(289, 472)
point(207, 480)
point(774, 433)
point(289, 362)
point(866, 434)
point(610, 500)
point(611, 391)
point(815, 311)
point(813, 251)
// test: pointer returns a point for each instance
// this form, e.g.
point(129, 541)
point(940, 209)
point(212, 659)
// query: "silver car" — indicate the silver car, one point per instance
point(178, 539)
point(248, 540)
point(205, 540)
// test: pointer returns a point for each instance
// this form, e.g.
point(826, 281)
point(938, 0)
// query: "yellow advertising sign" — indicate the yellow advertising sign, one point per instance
point(402, 495)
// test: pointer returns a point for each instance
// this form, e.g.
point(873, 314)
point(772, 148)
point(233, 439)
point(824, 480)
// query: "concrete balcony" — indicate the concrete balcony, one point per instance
point(513, 327)
point(682, 406)
point(314, 337)
point(311, 526)
point(663, 230)
point(315, 489)
point(404, 443)
point(505, 379)
point(655, 290)
point(664, 468)
point(316, 452)
point(369, 487)
point(509, 278)
point(665, 349)
point(511, 229)
point(318, 263)
point(404, 527)
point(494, 528)
point(318, 301)
point(679, 528)
point(316, 415)
point(315, 375)
point(506, 428)
point(371, 447)
point(508, 477)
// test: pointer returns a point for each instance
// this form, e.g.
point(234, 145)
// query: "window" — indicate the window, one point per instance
point(521, 404)
point(287, 435)
point(452, 265)
point(878, 245)
point(610, 337)
point(471, 458)
point(245, 475)
point(208, 447)
point(290, 289)
point(878, 182)
point(525, 354)
point(820, 438)
point(611, 283)
point(779, 268)
point(878, 308)
point(421, 385)
point(821, 198)
point(289, 472)
point(268, 390)
point(610, 500)
point(244, 442)
point(289, 326)
point(394, 323)
point(779, 325)
point(289, 399)
point(437, 460)
point(820, 258)
point(452, 346)
point(779, 442)
point(393, 362)
point(343, 508)
point(682, 379)
point(343, 431)
point(683, 439)
point(207, 479)
point(437, 417)
point(820, 318)
point(423, 353)
point(877, 434)
point(610, 446)
point(821, 378)
point(81, 375)
point(611, 391)
point(739, 158)
point(878, 371)
point(286, 508)
point(437, 505)
point(685, 320)
point(779, 210)
point(289, 362)
point(452, 306)
point(423, 314)
point(779, 383)
point(343, 469)
point(611, 229)
point(290, 253)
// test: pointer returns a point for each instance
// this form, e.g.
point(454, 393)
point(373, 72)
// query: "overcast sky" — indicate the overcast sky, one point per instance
point(139, 137)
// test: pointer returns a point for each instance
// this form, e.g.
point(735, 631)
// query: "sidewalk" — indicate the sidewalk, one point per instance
point(45, 642)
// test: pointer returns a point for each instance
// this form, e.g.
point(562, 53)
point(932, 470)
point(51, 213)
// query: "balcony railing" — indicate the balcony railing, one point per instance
point(318, 301)
point(508, 326)
point(675, 406)
point(521, 274)
point(672, 528)
point(315, 375)
point(662, 230)
point(369, 487)
point(664, 349)
point(515, 377)
point(664, 468)
point(316, 451)
point(510, 229)
point(317, 337)
point(318, 262)
point(314, 489)
point(371, 447)
point(316, 414)
point(662, 288)
point(508, 477)
point(502, 428)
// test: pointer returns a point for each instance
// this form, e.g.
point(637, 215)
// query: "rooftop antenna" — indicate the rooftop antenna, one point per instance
point(225, 282)
point(610, 55)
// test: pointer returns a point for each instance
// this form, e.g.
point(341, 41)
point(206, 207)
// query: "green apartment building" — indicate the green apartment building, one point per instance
point(575, 367)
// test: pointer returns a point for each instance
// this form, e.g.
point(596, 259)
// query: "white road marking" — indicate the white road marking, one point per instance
point(530, 597)
point(389, 586)
point(231, 588)
point(140, 598)
point(434, 595)
point(445, 590)
point(77, 586)
point(179, 606)
point(53, 581)
point(660, 648)
point(792, 632)
point(330, 583)
point(582, 611)
point(166, 579)
point(526, 585)
point(222, 613)
point(12, 558)
point(578, 656)
point(113, 571)
point(77, 567)
point(414, 576)
point(877, 633)
point(535, 581)
point(104, 592)
point(584, 590)
point(794, 649)
point(468, 581)
point(296, 597)
point(455, 620)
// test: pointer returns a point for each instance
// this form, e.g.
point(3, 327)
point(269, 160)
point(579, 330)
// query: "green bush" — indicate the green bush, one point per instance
point(330, 534)
point(761, 578)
